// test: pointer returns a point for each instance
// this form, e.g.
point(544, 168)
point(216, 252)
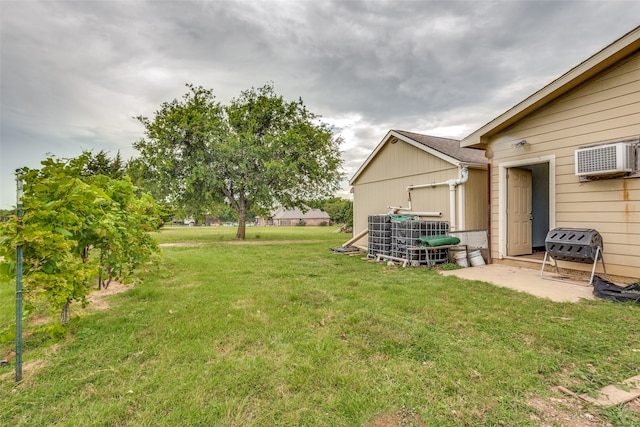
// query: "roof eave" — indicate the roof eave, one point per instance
point(616, 51)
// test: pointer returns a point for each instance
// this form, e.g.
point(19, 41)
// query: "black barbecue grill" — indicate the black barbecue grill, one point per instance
point(582, 245)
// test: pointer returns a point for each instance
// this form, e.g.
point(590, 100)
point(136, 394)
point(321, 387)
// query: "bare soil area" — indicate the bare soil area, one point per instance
point(238, 242)
point(180, 245)
point(565, 411)
point(96, 298)
point(270, 242)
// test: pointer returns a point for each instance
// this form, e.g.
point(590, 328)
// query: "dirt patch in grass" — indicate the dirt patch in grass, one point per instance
point(634, 405)
point(402, 417)
point(560, 410)
point(96, 298)
point(180, 245)
point(237, 242)
point(565, 411)
point(270, 242)
point(29, 367)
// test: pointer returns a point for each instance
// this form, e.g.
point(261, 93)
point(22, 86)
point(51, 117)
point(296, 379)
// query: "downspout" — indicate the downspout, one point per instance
point(452, 183)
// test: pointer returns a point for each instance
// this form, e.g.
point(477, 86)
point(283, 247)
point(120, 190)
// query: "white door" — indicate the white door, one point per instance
point(519, 212)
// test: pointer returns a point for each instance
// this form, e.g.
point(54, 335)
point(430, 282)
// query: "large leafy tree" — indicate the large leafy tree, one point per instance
point(255, 152)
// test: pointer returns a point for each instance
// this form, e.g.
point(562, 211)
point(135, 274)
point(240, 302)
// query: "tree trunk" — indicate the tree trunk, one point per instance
point(64, 313)
point(242, 216)
point(242, 222)
point(100, 271)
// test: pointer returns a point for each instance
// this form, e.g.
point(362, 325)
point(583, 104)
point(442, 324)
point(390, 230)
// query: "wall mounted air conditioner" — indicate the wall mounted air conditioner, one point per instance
point(605, 159)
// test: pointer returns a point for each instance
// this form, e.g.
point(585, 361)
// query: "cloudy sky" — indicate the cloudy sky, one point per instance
point(74, 73)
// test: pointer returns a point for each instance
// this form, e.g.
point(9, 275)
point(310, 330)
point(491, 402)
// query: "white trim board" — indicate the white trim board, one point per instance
point(502, 196)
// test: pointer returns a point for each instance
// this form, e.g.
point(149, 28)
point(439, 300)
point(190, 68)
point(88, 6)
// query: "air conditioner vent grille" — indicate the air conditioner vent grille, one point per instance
point(602, 159)
point(605, 159)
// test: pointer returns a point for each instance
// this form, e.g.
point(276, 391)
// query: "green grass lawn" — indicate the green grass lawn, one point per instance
point(279, 331)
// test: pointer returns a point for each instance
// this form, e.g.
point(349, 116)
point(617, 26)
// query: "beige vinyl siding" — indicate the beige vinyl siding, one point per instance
point(385, 180)
point(373, 198)
point(475, 196)
point(400, 160)
point(604, 108)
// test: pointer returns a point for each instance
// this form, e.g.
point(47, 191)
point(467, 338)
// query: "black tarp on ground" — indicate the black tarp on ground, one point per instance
point(610, 291)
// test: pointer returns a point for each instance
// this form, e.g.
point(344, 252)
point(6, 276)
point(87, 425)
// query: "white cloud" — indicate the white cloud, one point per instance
point(74, 73)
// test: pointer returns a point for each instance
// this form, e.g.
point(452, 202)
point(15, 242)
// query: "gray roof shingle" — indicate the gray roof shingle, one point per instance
point(447, 146)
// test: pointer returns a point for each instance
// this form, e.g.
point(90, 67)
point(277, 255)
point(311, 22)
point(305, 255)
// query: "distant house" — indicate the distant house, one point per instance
point(445, 182)
point(568, 156)
point(295, 216)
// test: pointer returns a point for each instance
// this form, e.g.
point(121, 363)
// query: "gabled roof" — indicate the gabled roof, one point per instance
point(446, 149)
point(608, 56)
point(295, 213)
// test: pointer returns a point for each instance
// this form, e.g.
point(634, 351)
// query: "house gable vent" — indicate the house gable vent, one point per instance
point(605, 159)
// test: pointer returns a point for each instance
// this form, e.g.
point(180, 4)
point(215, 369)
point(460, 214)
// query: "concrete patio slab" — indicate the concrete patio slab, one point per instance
point(524, 280)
